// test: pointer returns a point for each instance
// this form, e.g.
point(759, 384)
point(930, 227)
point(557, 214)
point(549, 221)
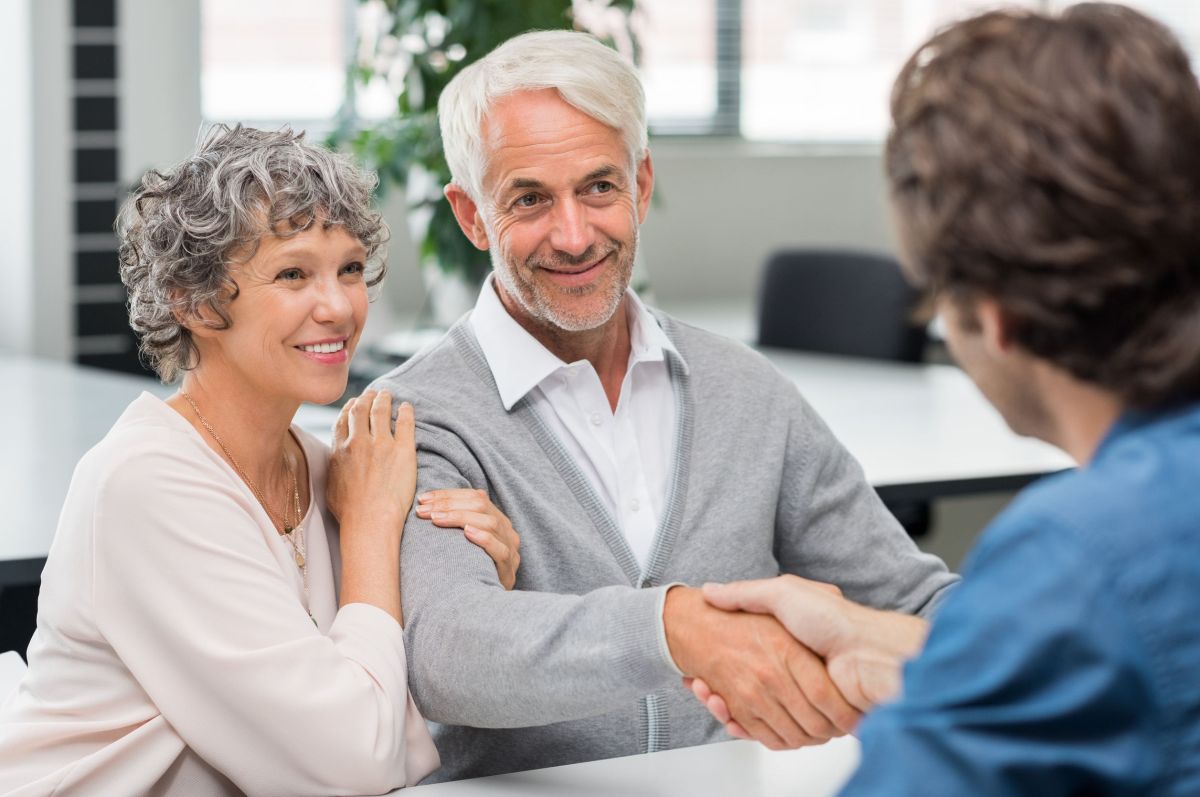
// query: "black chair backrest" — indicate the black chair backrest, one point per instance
point(849, 303)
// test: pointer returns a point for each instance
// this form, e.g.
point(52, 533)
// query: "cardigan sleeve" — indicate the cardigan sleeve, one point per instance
point(831, 525)
point(192, 601)
point(565, 656)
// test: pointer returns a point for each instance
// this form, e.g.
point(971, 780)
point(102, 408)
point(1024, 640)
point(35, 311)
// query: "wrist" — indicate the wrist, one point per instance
point(679, 610)
point(365, 523)
point(891, 633)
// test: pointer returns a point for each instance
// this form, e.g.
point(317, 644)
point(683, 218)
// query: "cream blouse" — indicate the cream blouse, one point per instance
point(174, 652)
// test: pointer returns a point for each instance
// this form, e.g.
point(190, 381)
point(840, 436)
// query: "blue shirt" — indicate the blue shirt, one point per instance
point(1068, 660)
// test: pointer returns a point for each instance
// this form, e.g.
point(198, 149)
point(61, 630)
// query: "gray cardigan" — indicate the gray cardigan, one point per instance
point(572, 665)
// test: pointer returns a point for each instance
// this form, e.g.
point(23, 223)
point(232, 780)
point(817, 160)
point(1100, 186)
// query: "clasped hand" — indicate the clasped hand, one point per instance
point(770, 685)
point(861, 650)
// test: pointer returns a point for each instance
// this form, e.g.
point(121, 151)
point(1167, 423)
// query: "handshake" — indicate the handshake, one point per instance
point(787, 661)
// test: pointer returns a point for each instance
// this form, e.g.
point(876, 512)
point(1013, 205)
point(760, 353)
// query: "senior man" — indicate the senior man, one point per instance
point(635, 454)
point(1046, 183)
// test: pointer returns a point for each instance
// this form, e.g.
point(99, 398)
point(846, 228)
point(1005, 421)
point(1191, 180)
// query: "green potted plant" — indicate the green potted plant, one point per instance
point(409, 50)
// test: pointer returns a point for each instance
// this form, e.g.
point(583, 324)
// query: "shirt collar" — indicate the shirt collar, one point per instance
point(519, 363)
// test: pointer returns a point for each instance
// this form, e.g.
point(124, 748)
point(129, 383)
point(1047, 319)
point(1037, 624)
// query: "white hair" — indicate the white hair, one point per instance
point(593, 78)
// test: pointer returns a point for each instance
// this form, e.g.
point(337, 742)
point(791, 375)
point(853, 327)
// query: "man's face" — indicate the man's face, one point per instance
point(561, 210)
point(1003, 373)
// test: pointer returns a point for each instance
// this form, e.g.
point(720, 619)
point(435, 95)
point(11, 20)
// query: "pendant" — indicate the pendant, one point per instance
point(288, 529)
point(299, 559)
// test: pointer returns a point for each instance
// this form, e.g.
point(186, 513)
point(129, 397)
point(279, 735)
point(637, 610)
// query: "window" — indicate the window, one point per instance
point(274, 61)
point(805, 70)
point(768, 70)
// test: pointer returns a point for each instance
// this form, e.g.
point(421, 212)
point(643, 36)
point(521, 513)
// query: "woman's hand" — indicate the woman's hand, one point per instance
point(481, 522)
point(372, 478)
point(373, 470)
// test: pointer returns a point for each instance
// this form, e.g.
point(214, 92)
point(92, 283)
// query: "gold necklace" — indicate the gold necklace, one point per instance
point(285, 521)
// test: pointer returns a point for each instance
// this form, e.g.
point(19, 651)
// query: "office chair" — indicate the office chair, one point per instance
point(852, 304)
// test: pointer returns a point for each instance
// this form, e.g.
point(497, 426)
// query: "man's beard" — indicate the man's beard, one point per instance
point(552, 306)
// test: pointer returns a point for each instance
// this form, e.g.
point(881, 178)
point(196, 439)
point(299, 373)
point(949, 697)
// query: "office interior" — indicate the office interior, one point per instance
point(98, 91)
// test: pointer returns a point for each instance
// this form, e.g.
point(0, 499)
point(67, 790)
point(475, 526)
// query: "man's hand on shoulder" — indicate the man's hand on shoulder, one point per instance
point(864, 649)
point(774, 687)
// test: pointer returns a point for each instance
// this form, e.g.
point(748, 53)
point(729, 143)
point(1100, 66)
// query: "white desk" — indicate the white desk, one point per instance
point(745, 769)
point(919, 431)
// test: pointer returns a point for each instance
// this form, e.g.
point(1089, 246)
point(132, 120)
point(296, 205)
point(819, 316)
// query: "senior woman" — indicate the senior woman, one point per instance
point(204, 626)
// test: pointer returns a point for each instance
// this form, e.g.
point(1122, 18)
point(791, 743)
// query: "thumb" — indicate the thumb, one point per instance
point(759, 597)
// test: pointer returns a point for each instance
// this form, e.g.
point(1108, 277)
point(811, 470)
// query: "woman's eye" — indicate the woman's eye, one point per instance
point(290, 274)
point(353, 268)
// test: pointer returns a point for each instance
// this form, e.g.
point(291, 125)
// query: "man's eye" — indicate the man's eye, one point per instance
point(290, 274)
point(602, 187)
point(526, 201)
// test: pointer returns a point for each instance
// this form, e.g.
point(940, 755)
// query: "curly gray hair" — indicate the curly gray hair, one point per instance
point(181, 229)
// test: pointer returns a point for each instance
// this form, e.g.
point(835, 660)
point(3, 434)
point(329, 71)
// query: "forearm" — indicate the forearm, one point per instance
point(370, 555)
point(488, 658)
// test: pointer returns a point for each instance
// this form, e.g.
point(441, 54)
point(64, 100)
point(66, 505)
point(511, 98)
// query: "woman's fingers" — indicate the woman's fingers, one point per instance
point(489, 542)
point(507, 559)
point(460, 519)
point(462, 498)
point(381, 413)
point(359, 421)
point(405, 432)
point(341, 427)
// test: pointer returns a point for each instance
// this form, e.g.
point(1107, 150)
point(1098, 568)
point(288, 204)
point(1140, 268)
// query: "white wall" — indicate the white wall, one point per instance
point(38, 294)
point(16, 201)
point(159, 72)
point(725, 206)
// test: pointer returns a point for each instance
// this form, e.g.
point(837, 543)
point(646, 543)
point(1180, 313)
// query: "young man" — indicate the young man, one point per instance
point(1045, 178)
point(633, 454)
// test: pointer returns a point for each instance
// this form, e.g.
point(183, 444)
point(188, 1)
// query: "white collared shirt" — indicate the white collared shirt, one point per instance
point(627, 455)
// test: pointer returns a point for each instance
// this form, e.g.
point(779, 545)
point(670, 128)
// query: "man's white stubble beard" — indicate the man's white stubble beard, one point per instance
point(541, 308)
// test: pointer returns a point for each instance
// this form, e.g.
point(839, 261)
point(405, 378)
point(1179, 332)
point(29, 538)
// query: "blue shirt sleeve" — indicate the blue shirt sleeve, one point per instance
point(1030, 683)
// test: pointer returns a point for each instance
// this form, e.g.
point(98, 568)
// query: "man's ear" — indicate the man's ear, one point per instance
point(995, 325)
point(645, 186)
point(470, 220)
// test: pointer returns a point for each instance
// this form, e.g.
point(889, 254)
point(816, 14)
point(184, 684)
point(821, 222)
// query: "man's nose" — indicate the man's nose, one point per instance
point(572, 233)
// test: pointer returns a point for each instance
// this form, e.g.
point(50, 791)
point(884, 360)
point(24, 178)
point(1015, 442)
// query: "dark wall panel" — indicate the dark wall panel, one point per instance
point(95, 62)
point(101, 318)
point(95, 165)
point(95, 13)
point(95, 215)
point(96, 268)
point(95, 113)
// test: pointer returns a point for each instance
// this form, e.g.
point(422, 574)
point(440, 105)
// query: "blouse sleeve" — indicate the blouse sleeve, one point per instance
point(195, 606)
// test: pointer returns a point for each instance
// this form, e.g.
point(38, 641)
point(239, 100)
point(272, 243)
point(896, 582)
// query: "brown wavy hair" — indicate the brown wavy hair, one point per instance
point(1052, 162)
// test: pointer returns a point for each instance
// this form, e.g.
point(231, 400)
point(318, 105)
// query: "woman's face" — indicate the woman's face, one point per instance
point(295, 323)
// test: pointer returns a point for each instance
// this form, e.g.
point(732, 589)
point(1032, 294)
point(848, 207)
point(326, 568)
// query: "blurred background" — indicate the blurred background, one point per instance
point(767, 117)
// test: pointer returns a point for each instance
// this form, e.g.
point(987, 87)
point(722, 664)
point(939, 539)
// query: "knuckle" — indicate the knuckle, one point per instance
point(819, 694)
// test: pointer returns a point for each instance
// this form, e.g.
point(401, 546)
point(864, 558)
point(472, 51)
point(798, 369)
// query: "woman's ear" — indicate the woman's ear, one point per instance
point(202, 322)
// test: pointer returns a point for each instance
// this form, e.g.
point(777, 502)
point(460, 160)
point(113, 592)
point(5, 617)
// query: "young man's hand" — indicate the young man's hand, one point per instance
point(863, 649)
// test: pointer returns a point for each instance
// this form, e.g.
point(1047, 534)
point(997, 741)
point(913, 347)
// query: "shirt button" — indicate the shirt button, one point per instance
point(597, 419)
point(634, 505)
